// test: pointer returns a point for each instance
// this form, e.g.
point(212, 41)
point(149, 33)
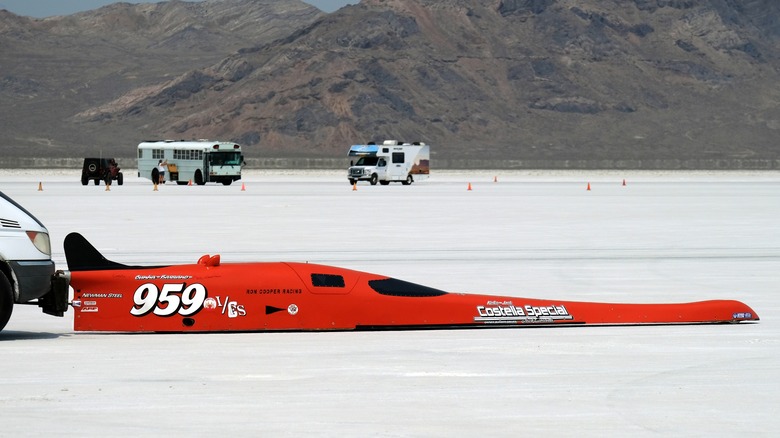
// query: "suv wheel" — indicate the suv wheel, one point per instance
point(374, 179)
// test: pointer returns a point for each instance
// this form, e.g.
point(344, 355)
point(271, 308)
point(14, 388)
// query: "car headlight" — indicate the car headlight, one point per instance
point(41, 241)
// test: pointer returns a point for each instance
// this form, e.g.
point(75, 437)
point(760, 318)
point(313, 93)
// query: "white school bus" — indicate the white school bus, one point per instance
point(198, 161)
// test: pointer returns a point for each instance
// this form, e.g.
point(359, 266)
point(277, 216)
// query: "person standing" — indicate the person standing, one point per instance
point(161, 166)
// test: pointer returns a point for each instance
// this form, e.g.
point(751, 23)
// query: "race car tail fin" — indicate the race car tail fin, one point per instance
point(82, 256)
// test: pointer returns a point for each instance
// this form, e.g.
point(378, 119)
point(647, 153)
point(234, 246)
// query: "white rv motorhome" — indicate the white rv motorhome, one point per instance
point(392, 161)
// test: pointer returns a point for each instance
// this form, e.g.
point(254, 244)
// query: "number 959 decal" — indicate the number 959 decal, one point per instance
point(172, 299)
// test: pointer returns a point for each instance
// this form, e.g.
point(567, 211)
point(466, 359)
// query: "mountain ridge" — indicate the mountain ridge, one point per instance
point(519, 80)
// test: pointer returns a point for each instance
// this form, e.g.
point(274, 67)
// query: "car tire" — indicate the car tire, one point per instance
point(119, 178)
point(374, 179)
point(352, 182)
point(84, 180)
point(6, 300)
point(97, 181)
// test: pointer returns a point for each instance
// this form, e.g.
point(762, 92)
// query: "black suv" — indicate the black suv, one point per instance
point(100, 169)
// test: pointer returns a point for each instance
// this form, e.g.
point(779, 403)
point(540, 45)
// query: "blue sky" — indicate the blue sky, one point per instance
point(47, 8)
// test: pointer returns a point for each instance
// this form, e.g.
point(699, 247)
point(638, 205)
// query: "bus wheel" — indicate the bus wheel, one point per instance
point(155, 176)
point(6, 300)
point(227, 182)
point(408, 181)
point(199, 178)
point(374, 179)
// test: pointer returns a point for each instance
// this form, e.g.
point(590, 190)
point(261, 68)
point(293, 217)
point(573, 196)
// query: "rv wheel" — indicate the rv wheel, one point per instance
point(408, 181)
point(119, 178)
point(374, 179)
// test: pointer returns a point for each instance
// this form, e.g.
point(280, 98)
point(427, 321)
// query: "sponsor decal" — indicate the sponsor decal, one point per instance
point(162, 277)
point(292, 309)
point(742, 315)
point(89, 309)
point(90, 303)
point(210, 303)
point(274, 291)
point(501, 312)
point(101, 295)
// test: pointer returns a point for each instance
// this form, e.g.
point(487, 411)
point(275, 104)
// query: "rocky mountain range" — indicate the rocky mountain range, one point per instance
point(528, 83)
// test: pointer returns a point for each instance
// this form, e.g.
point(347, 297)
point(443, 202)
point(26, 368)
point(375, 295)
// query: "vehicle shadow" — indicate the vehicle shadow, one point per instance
point(11, 335)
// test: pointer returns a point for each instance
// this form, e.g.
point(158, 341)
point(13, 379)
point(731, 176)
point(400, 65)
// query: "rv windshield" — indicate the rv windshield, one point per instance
point(367, 161)
point(225, 158)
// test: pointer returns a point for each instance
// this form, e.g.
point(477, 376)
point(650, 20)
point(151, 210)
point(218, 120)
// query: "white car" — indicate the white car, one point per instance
point(26, 267)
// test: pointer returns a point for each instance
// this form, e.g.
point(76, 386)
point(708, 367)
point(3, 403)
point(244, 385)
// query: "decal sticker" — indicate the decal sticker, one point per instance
point(101, 295)
point(91, 309)
point(498, 312)
point(292, 309)
point(288, 291)
point(742, 315)
point(210, 303)
point(172, 299)
point(162, 277)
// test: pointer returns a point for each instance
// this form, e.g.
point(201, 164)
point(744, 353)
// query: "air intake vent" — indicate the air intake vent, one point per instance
point(8, 223)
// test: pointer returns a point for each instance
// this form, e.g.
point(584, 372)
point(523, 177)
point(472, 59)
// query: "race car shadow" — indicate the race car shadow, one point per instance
point(11, 335)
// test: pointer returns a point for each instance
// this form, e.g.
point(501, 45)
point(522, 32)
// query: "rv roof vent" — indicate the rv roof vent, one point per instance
point(372, 142)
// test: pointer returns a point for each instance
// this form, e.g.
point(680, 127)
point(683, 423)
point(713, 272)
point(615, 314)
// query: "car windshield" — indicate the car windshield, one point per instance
point(367, 161)
point(225, 158)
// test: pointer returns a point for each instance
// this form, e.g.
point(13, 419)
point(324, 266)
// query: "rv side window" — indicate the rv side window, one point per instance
point(398, 157)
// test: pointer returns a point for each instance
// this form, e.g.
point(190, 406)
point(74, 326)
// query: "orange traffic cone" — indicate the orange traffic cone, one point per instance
point(588, 186)
point(243, 187)
point(189, 183)
point(40, 187)
point(354, 187)
point(469, 187)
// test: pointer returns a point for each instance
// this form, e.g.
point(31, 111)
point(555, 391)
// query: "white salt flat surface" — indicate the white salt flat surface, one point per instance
point(663, 237)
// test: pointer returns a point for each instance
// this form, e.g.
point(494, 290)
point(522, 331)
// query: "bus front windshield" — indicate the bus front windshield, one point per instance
point(225, 158)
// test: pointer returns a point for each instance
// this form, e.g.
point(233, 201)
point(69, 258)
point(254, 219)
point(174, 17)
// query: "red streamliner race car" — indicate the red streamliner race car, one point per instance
point(210, 296)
